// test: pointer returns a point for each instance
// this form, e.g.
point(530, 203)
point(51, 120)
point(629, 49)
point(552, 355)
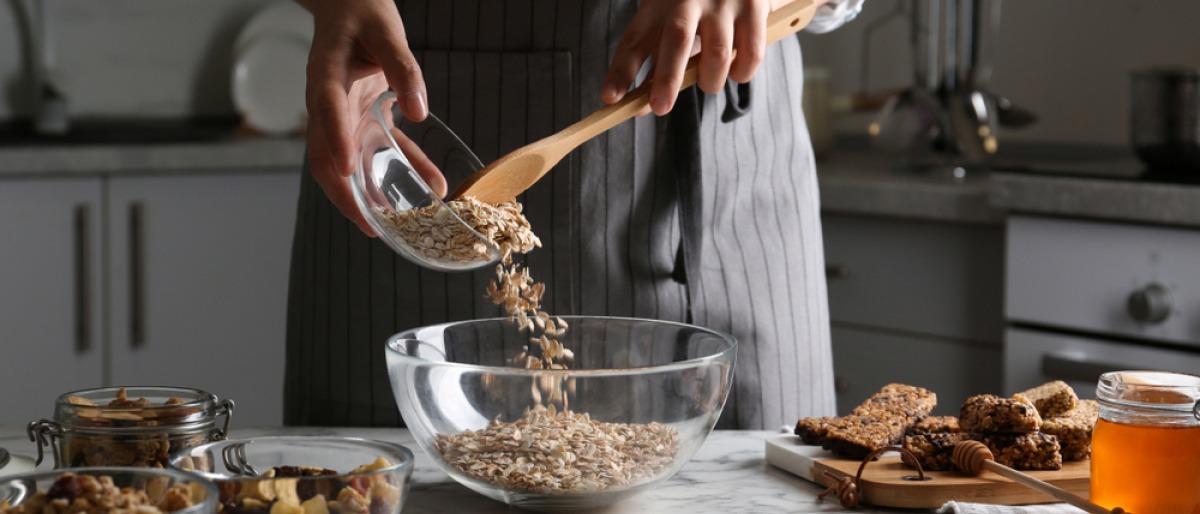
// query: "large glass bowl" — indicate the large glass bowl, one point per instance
point(639, 399)
point(23, 488)
point(258, 473)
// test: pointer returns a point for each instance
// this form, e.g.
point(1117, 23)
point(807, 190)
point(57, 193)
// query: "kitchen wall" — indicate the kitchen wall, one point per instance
point(1066, 60)
point(146, 58)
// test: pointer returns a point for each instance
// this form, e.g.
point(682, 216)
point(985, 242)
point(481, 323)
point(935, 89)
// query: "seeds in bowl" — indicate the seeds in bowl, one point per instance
point(561, 452)
point(71, 494)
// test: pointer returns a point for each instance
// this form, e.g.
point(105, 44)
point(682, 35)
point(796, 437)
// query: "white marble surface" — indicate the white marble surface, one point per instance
point(727, 475)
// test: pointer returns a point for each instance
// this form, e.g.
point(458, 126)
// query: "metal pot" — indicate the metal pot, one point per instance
point(1165, 118)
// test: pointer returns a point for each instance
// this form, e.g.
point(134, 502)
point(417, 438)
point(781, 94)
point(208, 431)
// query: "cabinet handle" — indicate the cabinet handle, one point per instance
point(1071, 368)
point(137, 326)
point(83, 282)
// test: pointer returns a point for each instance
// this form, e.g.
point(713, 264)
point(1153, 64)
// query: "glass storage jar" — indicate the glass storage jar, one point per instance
point(129, 426)
point(1146, 444)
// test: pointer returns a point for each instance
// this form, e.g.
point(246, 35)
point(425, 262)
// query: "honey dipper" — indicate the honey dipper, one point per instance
point(973, 457)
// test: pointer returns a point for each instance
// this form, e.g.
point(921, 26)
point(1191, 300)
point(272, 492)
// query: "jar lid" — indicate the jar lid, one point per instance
point(1158, 391)
point(136, 407)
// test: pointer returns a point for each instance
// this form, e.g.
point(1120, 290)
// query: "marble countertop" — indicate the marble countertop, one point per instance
point(729, 474)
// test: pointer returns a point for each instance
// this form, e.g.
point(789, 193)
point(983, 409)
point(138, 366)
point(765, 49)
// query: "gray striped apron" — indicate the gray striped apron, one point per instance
point(709, 216)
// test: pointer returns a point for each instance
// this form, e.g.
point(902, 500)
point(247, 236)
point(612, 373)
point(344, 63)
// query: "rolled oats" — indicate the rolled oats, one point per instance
point(434, 233)
point(561, 452)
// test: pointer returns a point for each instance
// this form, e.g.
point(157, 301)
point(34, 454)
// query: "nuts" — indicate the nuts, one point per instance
point(94, 448)
point(71, 494)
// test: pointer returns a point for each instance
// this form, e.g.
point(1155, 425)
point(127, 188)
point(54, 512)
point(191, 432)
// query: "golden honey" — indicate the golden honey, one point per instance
point(1146, 444)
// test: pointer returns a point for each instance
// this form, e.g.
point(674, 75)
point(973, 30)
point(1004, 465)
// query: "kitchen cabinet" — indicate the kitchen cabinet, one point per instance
point(914, 301)
point(187, 287)
point(49, 293)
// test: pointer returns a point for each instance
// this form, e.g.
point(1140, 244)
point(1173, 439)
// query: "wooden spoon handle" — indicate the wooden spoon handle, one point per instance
point(1033, 483)
point(782, 22)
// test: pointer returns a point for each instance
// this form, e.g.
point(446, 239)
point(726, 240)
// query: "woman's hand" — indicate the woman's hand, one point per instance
point(732, 39)
point(359, 49)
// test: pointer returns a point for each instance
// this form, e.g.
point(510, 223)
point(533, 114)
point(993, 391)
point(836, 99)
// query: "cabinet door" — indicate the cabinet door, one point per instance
point(866, 360)
point(49, 287)
point(199, 268)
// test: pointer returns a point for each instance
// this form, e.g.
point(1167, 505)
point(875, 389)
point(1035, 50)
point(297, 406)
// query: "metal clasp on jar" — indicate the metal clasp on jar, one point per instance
point(1196, 410)
point(225, 408)
point(47, 433)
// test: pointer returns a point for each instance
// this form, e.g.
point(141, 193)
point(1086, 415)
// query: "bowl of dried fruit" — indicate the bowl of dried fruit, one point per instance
point(551, 413)
point(303, 474)
point(107, 489)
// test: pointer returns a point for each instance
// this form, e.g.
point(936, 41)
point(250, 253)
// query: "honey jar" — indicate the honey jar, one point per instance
point(129, 427)
point(1146, 444)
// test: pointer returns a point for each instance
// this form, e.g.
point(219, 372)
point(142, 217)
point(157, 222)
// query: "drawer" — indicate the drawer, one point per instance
point(1033, 357)
point(915, 276)
point(1084, 275)
point(866, 360)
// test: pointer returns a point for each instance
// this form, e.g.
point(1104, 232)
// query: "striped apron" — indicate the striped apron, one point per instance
point(709, 216)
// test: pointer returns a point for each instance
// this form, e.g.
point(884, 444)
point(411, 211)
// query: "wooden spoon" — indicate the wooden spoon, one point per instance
point(974, 457)
point(512, 174)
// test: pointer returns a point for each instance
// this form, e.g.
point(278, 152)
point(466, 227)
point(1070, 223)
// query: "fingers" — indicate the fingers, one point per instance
point(328, 107)
point(335, 186)
point(631, 53)
point(674, 48)
point(749, 40)
point(425, 168)
point(389, 48)
point(716, 50)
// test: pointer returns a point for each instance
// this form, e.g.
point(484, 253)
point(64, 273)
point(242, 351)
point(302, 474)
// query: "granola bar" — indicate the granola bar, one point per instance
point(1051, 399)
point(987, 413)
point(1074, 429)
point(879, 421)
point(1029, 451)
point(935, 425)
point(813, 430)
point(933, 450)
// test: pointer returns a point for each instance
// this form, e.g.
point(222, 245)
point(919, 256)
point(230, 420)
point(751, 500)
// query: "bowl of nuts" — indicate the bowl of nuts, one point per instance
point(571, 412)
point(107, 489)
point(303, 474)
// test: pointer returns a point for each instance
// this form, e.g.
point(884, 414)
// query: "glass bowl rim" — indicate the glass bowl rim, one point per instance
point(374, 113)
point(404, 465)
point(213, 498)
point(730, 350)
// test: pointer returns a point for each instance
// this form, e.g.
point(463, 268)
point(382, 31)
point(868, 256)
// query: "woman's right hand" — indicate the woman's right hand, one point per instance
point(359, 49)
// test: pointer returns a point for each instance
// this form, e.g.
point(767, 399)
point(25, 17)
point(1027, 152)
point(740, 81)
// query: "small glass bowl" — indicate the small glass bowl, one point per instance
point(18, 489)
point(356, 476)
point(388, 187)
point(474, 408)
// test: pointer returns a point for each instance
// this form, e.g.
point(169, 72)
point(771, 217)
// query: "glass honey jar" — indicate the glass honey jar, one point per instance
point(1146, 444)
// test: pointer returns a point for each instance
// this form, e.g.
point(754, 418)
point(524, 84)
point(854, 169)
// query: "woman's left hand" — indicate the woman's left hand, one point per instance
point(732, 39)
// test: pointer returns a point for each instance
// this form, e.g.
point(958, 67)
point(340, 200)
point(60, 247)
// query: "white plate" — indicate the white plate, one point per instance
point(285, 17)
point(270, 55)
point(268, 83)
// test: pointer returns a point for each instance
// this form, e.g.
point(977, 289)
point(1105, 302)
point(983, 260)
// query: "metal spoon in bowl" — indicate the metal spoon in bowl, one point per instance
point(512, 174)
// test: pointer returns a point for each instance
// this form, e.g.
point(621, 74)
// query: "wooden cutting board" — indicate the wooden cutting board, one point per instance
point(884, 483)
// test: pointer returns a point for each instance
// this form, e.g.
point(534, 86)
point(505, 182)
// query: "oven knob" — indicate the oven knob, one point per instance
point(1151, 304)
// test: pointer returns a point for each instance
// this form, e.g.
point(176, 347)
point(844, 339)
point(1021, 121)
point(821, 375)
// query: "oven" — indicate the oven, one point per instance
point(1084, 297)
